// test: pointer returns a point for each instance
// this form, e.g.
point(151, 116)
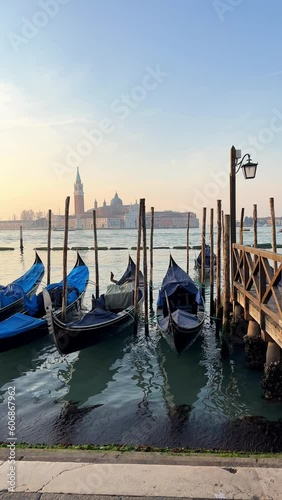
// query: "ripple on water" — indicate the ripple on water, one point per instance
point(133, 390)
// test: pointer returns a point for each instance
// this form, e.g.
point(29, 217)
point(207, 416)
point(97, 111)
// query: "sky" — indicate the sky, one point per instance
point(146, 97)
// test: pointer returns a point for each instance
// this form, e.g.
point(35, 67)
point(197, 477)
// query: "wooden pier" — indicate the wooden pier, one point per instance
point(257, 288)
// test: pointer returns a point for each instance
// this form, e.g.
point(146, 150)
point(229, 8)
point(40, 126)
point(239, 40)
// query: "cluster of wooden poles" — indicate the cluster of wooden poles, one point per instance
point(140, 246)
point(221, 306)
point(218, 305)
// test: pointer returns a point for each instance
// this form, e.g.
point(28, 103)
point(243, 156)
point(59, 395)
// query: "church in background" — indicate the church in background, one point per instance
point(117, 215)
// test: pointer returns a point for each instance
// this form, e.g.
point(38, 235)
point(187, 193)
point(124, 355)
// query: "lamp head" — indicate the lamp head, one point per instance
point(249, 169)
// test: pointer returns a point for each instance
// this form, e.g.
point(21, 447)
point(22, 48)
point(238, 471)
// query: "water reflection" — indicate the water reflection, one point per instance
point(95, 367)
point(183, 377)
point(18, 362)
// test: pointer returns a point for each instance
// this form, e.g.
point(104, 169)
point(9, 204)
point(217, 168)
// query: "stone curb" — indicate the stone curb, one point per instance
point(132, 457)
point(58, 496)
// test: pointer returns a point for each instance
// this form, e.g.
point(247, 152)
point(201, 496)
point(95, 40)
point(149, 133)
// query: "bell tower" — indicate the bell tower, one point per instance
point(78, 195)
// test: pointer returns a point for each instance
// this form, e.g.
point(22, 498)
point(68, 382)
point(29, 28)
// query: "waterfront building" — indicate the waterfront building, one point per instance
point(115, 215)
point(170, 219)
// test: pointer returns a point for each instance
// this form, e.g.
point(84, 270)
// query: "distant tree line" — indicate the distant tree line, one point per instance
point(31, 215)
point(37, 217)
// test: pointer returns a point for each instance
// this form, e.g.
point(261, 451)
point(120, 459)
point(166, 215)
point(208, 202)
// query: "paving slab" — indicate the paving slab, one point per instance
point(137, 475)
point(271, 482)
point(159, 480)
point(33, 476)
point(145, 480)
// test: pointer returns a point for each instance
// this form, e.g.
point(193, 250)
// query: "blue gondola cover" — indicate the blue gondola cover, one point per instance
point(10, 293)
point(96, 317)
point(207, 257)
point(174, 278)
point(27, 280)
point(19, 323)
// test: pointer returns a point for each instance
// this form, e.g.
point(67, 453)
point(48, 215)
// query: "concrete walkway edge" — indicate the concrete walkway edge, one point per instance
point(118, 475)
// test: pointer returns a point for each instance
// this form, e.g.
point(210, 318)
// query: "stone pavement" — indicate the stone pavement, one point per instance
point(70, 475)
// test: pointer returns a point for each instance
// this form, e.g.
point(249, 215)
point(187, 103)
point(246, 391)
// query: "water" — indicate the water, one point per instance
point(129, 389)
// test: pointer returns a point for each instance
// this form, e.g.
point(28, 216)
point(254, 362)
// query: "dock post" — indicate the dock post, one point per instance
point(271, 380)
point(203, 250)
point(255, 347)
point(255, 223)
point(151, 256)
point(273, 354)
point(273, 226)
point(187, 243)
point(145, 274)
point(137, 265)
point(49, 248)
point(226, 272)
point(65, 260)
point(241, 238)
point(211, 265)
point(96, 255)
point(218, 267)
point(21, 239)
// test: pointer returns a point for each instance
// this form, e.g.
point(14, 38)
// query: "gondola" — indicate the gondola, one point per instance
point(21, 328)
point(207, 260)
point(12, 296)
point(112, 311)
point(180, 308)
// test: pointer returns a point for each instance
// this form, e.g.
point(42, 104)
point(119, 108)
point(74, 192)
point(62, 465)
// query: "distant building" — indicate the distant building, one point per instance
point(78, 196)
point(171, 219)
point(261, 221)
point(116, 215)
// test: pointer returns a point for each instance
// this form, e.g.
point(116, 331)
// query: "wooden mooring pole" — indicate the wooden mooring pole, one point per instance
point(226, 272)
point(65, 260)
point(273, 226)
point(211, 265)
point(241, 238)
point(97, 289)
point(187, 243)
point(49, 247)
point(151, 255)
point(145, 274)
point(255, 223)
point(137, 265)
point(218, 266)
point(203, 251)
point(21, 239)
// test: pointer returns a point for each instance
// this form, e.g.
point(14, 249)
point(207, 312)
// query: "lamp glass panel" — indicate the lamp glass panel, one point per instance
point(250, 170)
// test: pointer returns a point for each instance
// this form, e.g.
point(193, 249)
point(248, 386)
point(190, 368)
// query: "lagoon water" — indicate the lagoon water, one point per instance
point(132, 389)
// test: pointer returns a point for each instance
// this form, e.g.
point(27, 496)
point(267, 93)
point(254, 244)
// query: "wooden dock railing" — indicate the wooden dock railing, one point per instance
point(257, 286)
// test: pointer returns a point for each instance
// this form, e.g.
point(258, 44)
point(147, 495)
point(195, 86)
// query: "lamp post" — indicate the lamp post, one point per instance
point(249, 170)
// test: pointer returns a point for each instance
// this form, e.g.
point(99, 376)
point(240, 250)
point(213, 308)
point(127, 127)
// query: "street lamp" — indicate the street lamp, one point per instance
point(249, 170)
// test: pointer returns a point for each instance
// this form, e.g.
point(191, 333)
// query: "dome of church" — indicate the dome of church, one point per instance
point(116, 201)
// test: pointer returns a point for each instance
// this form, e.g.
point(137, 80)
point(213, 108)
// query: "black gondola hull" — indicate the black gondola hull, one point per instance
point(177, 337)
point(70, 340)
point(9, 343)
point(92, 327)
point(180, 308)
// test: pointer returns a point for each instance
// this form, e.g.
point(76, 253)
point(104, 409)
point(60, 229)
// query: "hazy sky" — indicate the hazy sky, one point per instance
point(145, 96)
